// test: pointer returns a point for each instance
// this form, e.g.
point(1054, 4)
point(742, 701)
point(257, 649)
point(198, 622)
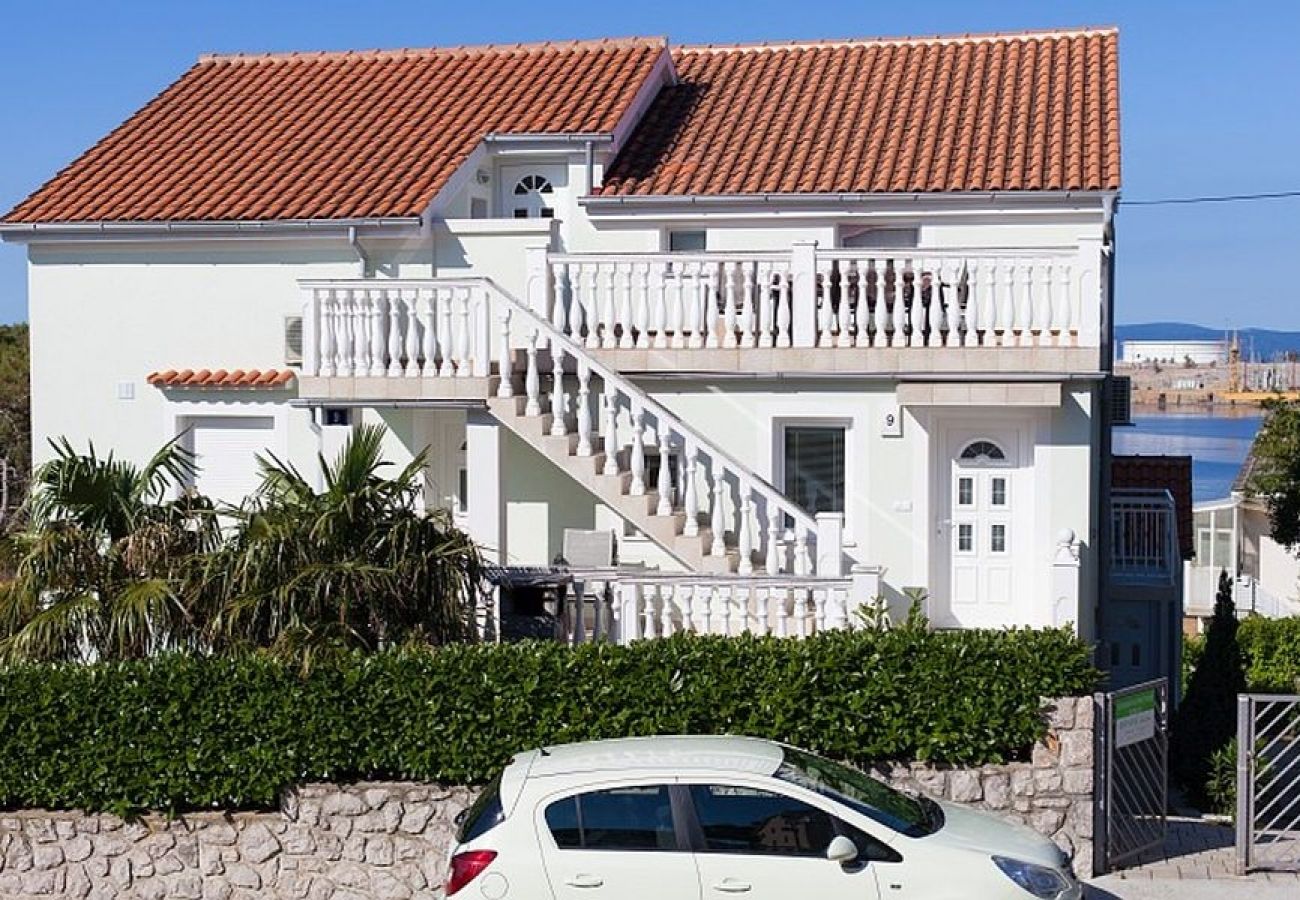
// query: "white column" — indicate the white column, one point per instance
point(1065, 581)
point(830, 544)
point(537, 285)
point(803, 296)
point(310, 342)
point(865, 589)
point(485, 517)
point(1091, 291)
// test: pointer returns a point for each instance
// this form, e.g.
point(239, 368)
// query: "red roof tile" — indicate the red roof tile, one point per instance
point(221, 378)
point(336, 135)
point(1171, 473)
point(1033, 111)
point(378, 134)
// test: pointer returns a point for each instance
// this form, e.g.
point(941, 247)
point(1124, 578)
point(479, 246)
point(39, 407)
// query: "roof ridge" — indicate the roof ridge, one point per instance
point(404, 52)
point(967, 38)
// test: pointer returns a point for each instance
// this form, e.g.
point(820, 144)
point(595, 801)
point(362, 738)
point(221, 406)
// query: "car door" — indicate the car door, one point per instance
point(763, 845)
point(620, 842)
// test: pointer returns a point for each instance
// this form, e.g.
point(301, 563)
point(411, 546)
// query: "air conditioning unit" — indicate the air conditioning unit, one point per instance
point(1121, 400)
point(293, 340)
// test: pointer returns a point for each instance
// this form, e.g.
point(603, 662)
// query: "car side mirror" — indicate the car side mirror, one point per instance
point(841, 850)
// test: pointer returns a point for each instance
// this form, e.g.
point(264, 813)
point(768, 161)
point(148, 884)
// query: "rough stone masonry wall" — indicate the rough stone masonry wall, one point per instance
point(390, 841)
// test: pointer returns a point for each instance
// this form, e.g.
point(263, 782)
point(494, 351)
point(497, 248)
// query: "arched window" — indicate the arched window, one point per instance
point(532, 196)
point(983, 451)
point(533, 184)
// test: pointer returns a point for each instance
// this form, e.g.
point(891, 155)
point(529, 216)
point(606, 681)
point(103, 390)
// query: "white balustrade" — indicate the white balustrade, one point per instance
point(408, 329)
point(827, 298)
point(656, 604)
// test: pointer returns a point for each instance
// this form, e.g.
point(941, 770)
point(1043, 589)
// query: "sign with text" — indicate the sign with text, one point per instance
point(1135, 717)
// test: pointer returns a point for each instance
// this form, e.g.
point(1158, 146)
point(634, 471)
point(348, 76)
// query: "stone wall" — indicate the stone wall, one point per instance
point(390, 841)
point(1052, 793)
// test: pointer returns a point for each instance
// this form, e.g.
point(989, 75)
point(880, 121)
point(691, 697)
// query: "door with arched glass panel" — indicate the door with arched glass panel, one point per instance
point(982, 532)
point(529, 192)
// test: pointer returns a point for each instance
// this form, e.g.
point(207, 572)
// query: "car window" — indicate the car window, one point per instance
point(483, 815)
point(622, 818)
point(747, 820)
point(912, 816)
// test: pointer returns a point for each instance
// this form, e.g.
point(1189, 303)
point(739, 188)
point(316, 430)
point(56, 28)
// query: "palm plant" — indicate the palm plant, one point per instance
point(355, 565)
point(99, 571)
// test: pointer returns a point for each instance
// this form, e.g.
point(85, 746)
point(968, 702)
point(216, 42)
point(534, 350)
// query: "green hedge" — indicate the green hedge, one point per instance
point(1272, 651)
point(183, 732)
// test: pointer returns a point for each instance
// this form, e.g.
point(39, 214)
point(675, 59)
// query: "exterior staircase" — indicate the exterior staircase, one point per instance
point(465, 333)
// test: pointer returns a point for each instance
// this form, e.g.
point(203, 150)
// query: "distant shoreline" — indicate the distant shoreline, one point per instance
point(1215, 410)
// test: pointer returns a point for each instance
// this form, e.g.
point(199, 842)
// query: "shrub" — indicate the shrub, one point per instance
point(1207, 719)
point(180, 731)
point(1272, 651)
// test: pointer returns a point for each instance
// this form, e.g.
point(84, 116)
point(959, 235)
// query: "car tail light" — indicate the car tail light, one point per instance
point(465, 867)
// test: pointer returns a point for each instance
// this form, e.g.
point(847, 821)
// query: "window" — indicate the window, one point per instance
point(879, 238)
point(484, 815)
point(999, 492)
point(747, 820)
point(814, 467)
point(623, 818)
point(983, 451)
point(998, 538)
point(906, 814)
point(533, 184)
point(687, 241)
point(965, 538)
point(965, 491)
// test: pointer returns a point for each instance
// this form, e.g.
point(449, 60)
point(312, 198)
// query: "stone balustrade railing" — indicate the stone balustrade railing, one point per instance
point(810, 297)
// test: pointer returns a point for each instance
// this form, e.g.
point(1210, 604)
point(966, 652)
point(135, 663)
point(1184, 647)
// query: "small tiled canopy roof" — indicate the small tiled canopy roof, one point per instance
point(222, 378)
point(378, 134)
point(1171, 473)
point(1034, 111)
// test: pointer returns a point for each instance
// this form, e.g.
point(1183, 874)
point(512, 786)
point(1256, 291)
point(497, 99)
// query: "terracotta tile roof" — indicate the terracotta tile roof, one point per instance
point(222, 378)
point(1033, 111)
point(336, 135)
point(1171, 473)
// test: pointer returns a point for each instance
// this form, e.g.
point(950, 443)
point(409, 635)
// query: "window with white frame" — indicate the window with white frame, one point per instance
point(813, 466)
point(688, 241)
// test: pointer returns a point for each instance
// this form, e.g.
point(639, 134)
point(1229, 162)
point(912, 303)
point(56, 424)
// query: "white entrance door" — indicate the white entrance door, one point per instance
point(983, 536)
point(226, 449)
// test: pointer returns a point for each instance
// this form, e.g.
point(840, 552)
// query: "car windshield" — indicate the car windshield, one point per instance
point(912, 816)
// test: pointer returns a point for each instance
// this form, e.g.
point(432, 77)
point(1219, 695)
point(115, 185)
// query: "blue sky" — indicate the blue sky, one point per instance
point(1209, 96)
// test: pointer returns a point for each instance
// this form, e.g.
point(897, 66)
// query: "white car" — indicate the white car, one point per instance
point(697, 818)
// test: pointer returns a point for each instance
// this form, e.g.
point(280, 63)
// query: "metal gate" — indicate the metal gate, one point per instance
point(1132, 756)
point(1268, 782)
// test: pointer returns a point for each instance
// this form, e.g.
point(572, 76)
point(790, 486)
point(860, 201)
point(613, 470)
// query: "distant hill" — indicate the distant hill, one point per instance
point(1255, 342)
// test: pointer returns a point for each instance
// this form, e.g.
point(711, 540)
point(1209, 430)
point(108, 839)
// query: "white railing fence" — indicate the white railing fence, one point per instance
point(809, 297)
point(409, 329)
point(1144, 534)
point(470, 327)
point(621, 607)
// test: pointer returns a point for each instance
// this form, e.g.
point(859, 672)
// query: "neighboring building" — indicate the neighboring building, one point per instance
point(1174, 353)
point(1234, 535)
point(785, 309)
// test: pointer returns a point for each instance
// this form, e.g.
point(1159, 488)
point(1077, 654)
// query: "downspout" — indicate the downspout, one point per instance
point(363, 259)
point(1104, 465)
point(591, 166)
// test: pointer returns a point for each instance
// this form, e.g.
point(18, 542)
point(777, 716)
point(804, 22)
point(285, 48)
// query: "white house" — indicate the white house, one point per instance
point(784, 311)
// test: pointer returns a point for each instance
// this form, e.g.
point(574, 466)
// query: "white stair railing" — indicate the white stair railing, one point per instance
point(452, 328)
point(735, 495)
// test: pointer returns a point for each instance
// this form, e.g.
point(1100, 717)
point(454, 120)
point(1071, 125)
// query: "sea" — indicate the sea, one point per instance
point(1218, 444)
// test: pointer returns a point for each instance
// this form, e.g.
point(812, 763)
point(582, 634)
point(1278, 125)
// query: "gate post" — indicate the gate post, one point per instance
point(1245, 783)
point(1101, 784)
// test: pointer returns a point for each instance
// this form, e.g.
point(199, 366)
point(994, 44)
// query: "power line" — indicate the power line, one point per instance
point(1221, 198)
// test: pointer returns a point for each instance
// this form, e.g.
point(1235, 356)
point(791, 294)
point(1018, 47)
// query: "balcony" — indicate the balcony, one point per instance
point(869, 312)
point(1144, 537)
point(799, 311)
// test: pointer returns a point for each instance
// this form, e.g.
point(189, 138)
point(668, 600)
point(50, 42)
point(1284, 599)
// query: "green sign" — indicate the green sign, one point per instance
point(1135, 717)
